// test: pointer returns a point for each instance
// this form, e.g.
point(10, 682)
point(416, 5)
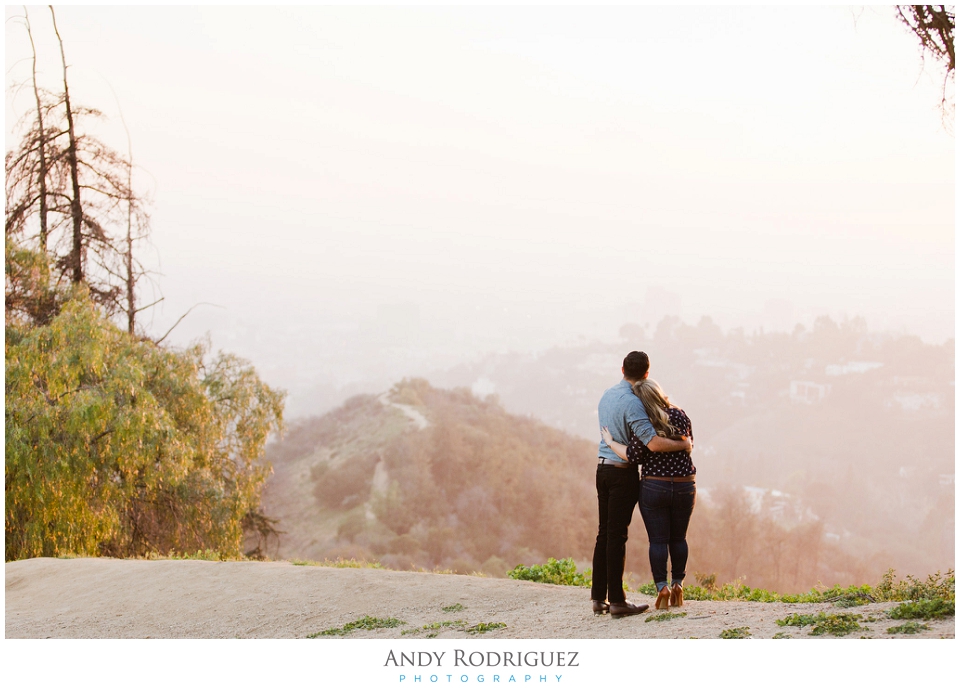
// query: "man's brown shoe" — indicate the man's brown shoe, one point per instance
point(601, 607)
point(625, 609)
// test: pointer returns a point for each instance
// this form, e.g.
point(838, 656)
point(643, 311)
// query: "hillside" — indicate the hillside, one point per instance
point(423, 477)
point(115, 598)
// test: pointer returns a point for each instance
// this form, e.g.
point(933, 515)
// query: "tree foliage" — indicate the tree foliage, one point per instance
point(117, 447)
point(114, 445)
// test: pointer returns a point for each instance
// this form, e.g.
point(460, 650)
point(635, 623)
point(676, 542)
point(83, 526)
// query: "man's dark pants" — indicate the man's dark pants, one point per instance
point(617, 493)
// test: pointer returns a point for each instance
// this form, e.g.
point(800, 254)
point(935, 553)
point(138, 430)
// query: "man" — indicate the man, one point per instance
point(618, 485)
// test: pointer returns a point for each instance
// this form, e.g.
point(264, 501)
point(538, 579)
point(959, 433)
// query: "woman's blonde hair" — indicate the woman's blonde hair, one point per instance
point(656, 403)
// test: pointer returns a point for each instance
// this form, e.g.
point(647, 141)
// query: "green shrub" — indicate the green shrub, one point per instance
point(118, 447)
point(935, 586)
point(453, 608)
point(651, 589)
point(562, 572)
point(735, 590)
point(936, 608)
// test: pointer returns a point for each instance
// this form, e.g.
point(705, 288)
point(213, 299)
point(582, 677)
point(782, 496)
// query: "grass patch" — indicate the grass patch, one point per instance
point(484, 627)
point(199, 555)
point(837, 625)
point(822, 623)
point(339, 563)
point(367, 622)
point(736, 633)
point(650, 589)
point(561, 572)
point(935, 608)
point(854, 600)
point(453, 608)
point(431, 630)
point(908, 628)
point(797, 620)
point(889, 589)
point(665, 616)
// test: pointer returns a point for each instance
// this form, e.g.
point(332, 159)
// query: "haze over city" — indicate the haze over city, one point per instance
point(359, 194)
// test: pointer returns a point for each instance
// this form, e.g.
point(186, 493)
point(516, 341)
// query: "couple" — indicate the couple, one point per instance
point(641, 431)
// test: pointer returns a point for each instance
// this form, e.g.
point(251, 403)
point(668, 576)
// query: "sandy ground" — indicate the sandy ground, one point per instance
point(113, 598)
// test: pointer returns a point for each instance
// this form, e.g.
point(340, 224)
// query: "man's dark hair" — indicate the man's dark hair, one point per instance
point(636, 365)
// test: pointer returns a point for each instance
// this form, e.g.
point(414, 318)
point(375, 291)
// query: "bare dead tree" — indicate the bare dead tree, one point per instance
point(933, 26)
point(137, 230)
point(41, 142)
point(70, 197)
point(76, 209)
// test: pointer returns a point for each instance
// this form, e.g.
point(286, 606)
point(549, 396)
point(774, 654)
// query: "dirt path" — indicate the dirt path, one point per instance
point(411, 412)
point(114, 598)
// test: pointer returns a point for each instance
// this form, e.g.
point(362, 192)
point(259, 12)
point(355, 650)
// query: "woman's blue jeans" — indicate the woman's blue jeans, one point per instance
point(666, 508)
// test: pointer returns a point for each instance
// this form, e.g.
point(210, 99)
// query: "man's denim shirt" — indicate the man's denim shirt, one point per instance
point(622, 412)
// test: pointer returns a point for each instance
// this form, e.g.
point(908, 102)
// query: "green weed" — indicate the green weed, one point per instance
point(797, 620)
point(889, 589)
point(339, 563)
point(453, 608)
point(852, 600)
point(736, 633)
point(484, 627)
point(908, 628)
point(837, 625)
point(560, 572)
point(782, 635)
point(434, 628)
point(199, 555)
point(735, 590)
point(650, 589)
point(665, 616)
point(367, 622)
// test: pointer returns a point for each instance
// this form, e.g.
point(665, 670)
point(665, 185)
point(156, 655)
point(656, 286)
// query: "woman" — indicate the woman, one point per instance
point(667, 489)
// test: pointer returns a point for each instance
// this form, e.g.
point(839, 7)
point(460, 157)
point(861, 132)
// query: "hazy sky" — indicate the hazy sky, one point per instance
point(515, 177)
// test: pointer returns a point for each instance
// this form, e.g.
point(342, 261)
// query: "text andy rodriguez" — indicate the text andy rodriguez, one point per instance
point(484, 658)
